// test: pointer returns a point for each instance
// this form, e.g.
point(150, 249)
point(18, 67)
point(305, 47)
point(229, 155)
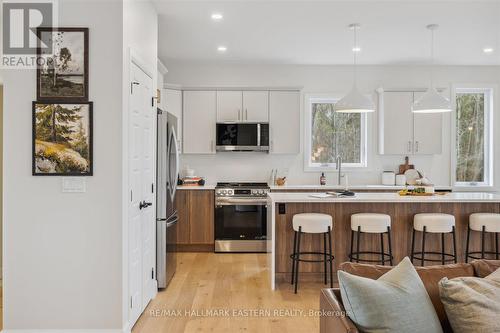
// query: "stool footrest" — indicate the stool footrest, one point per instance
point(479, 252)
point(295, 256)
point(353, 256)
point(448, 256)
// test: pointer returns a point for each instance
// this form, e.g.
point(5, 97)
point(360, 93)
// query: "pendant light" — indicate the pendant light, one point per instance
point(354, 101)
point(431, 101)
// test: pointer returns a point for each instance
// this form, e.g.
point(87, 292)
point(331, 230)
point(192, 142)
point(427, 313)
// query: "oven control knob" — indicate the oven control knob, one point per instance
point(224, 192)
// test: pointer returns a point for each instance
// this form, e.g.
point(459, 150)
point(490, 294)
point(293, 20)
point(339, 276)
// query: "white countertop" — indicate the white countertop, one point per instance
point(317, 187)
point(352, 187)
point(204, 187)
point(386, 197)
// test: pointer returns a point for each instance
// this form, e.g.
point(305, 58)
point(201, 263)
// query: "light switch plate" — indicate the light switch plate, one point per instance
point(74, 185)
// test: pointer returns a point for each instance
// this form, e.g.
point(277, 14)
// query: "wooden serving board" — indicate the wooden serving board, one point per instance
point(404, 167)
point(421, 194)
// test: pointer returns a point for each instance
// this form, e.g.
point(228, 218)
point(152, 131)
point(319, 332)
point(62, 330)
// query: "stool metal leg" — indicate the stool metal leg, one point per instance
point(467, 245)
point(412, 246)
point(324, 257)
point(442, 249)
point(297, 261)
point(423, 247)
point(357, 244)
point(497, 252)
point(352, 245)
point(294, 254)
point(390, 245)
point(331, 256)
point(454, 244)
point(382, 255)
point(482, 241)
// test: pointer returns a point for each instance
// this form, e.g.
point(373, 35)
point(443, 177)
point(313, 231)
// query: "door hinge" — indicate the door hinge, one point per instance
point(132, 86)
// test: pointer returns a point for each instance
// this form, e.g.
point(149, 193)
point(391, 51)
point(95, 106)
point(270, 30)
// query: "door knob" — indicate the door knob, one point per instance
point(144, 204)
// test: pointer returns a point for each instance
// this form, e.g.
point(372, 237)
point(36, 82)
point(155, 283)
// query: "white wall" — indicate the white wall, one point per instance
point(336, 80)
point(62, 267)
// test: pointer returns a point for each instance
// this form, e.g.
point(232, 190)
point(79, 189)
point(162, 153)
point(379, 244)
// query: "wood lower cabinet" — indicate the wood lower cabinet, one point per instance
point(195, 231)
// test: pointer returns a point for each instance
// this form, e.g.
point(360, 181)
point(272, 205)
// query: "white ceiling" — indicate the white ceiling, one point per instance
point(315, 32)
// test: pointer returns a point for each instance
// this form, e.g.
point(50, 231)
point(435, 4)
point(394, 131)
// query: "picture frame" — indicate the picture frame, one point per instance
point(63, 67)
point(62, 138)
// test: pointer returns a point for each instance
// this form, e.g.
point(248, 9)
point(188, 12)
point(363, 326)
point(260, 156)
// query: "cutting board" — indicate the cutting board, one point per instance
point(406, 166)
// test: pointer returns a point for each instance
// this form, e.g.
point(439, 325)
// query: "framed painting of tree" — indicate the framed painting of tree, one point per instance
point(62, 139)
point(62, 64)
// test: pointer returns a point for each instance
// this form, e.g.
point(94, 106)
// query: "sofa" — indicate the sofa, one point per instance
point(335, 320)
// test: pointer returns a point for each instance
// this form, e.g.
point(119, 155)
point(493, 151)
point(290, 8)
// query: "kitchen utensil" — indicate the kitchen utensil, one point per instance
point(388, 178)
point(281, 181)
point(411, 176)
point(400, 180)
point(406, 166)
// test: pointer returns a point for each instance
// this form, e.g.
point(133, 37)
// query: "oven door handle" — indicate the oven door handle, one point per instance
point(240, 202)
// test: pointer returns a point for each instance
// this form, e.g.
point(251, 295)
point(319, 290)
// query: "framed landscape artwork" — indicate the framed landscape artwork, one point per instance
point(62, 138)
point(63, 66)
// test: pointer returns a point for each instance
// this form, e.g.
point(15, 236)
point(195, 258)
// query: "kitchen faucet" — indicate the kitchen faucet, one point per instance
point(338, 163)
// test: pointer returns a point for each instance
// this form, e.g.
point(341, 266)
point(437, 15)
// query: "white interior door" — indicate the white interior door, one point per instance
point(141, 206)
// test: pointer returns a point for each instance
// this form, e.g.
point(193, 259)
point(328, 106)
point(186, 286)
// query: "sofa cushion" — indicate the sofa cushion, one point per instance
point(483, 268)
point(472, 303)
point(396, 302)
point(430, 275)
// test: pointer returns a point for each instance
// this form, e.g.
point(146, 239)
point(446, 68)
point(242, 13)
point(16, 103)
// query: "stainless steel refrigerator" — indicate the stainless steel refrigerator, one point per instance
point(166, 185)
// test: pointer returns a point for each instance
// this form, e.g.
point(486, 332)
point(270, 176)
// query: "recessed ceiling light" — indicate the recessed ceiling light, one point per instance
point(217, 16)
point(356, 49)
point(487, 50)
point(222, 49)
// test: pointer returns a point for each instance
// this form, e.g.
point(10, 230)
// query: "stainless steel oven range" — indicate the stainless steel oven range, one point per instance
point(241, 217)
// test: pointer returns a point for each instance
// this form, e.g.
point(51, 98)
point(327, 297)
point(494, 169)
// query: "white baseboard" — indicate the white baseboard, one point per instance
point(66, 331)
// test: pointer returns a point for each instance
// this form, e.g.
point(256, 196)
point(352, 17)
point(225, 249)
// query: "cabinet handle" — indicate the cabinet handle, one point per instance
point(239, 117)
point(212, 146)
point(246, 114)
point(416, 146)
point(409, 146)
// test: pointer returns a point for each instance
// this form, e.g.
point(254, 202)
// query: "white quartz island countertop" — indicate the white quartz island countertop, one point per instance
point(386, 197)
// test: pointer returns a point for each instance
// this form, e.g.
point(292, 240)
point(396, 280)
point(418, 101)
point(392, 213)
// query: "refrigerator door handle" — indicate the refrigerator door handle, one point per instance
point(173, 152)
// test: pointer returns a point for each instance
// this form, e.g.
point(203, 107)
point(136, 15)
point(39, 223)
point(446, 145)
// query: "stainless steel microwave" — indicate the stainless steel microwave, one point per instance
point(242, 137)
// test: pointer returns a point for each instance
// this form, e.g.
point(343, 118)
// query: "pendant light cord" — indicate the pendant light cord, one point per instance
point(432, 57)
point(355, 71)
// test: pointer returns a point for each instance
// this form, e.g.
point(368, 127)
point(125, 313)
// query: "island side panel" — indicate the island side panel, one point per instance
point(402, 226)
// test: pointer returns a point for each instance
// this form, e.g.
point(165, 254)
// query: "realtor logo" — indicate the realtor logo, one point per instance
point(20, 20)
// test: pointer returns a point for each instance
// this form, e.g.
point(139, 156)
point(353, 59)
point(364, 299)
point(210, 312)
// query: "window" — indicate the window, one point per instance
point(473, 137)
point(330, 134)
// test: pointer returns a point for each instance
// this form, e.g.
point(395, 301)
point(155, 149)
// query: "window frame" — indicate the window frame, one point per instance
point(331, 167)
point(489, 92)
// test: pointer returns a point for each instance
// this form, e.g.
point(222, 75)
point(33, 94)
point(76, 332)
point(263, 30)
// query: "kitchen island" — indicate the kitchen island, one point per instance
point(282, 207)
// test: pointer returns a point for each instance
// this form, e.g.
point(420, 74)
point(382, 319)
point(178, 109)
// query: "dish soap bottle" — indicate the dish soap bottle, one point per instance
point(322, 179)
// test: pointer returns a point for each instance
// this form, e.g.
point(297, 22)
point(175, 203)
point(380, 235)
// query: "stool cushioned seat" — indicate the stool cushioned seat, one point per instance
point(490, 221)
point(312, 223)
point(370, 222)
point(434, 222)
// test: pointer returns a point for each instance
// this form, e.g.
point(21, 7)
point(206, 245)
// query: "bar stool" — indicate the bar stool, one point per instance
point(374, 224)
point(436, 223)
point(484, 223)
point(311, 223)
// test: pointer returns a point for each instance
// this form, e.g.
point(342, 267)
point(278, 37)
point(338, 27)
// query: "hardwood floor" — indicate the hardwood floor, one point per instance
point(229, 283)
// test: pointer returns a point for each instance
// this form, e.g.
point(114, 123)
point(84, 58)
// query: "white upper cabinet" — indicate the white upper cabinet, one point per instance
point(199, 119)
point(172, 103)
point(427, 132)
point(255, 106)
point(229, 105)
point(403, 132)
point(284, 124)
point(396, 123)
